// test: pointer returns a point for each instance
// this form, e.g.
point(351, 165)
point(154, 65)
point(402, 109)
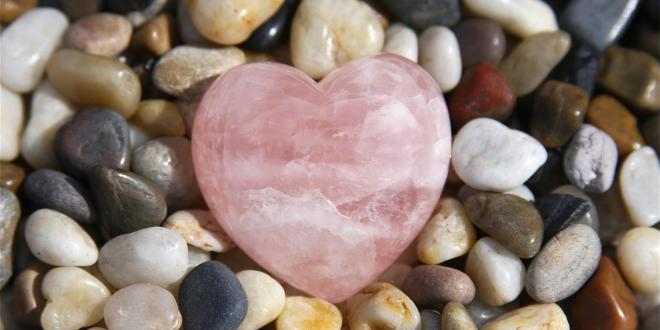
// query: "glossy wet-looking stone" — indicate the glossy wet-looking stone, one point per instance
point(559, 111)
point(608, 114)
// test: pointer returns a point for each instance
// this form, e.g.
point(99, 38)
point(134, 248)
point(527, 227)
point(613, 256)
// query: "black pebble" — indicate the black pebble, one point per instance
point(420, 14)
point(579, 67)
point(560, 211)
point(274, 32)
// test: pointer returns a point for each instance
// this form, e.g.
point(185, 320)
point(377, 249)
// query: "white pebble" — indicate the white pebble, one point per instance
point(49, 110)
point(11, 112)
point(265, 297)
point(535, 316)
point(401, 40)
point(301, 312)
point(638, 256)
point(382, 306)
point(27, 44)
point(590, 160)
point(200, 229)
point(440, 56)
point(142, 306)
point(498, 274)
point(447, 235)
point(490, 156)
point(639, 181)
point(522, 18)
point(153, 255)
point(58, 240)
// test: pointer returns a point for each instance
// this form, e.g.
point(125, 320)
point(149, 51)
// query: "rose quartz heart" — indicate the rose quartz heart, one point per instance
point(323, 184)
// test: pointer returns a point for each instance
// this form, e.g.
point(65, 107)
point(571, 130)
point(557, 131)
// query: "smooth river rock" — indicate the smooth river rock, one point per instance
point(609, 115)
point(27, 301)
point(159, 118)
point(638, 256)
point(11, 176)
point(265, 296)
point(10, 213)
point(537, 316)
point(200, 229)
point(456, 317)
point(11, 110)
point(591, 217)
point(480, 41)
point(433, 286)
point(401, 40)
point(590, 160)
point(420, 14)
point(638, 182)
point(560, 211)
point(381, 305)
point(142, 306)
point(559, 110)
point(440, 55)
point(522, 18)
point(101, 34)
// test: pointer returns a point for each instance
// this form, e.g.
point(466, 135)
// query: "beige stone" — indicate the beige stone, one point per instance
point(532, 317)
point(449, 234)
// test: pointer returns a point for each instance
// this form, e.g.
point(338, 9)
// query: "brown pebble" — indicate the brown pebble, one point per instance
point(433, 286)
point(99, 34)
point(11, 176)
point(559, 111)
point(611, 116)
point(155, 37)
point(159, 118)
point(28, 303)
point(10, 9)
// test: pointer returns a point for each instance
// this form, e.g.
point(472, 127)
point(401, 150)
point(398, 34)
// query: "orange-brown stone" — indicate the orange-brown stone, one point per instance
point(10, 9)
point(155, 36)
point(11, 176)
point(611, 116)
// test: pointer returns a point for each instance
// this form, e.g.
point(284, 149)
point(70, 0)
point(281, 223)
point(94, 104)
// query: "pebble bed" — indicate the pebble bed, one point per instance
point(549, 218)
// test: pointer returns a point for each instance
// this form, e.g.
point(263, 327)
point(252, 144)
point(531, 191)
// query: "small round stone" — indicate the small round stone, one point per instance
point(101, 34)
point(536, 316)
point(401, 40)
point(591, 217)
point(27, 301)
point(638, 182)
point(11, 176)
point(58, 240)
point(590, 160)
point(608, 114)
point(211, 298)
point(142, 306)
point(11, 110)
point(10, 213)
point(381, 305)
point(521, 18)
point(456, 317)
point(440, 56)
point(480, 41)
point(200, 229)
point(560, 211)
point(159, 118)
point(433, 286)
point(155, 36)
point(447, 235)
point(559, 110)
point(638, 256)
point(265, 298)
point(564, 264)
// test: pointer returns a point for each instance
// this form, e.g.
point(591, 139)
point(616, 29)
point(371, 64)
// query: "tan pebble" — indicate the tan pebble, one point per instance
point(382, 306)
point(449, 234)
point(102, 34)
point(200, 229)
point(541, 316)
point(159, 118)
point(308, 313)
point(456, 317)
point(155, 36)
point(638, 256)
point(265, 297)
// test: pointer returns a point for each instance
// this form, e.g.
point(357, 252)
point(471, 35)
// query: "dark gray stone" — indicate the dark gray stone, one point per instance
point(480, 41)
point(274, 32)
point(420, 14)
point(560, 211)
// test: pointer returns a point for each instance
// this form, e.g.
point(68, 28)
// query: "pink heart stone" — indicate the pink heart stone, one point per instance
point(323, 184)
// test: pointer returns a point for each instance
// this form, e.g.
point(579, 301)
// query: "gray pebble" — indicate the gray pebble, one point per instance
point(431, 319)
point(590, 160)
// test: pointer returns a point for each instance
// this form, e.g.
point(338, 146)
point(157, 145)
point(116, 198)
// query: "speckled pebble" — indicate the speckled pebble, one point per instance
point(590, 160)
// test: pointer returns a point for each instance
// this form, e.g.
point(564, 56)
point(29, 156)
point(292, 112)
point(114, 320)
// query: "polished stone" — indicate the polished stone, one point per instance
point(382, 305)
point(11, 176)
point(480, 41)
point(10, 213)
point(11, 9)
point(608, 114)
point(560, 211)
point(273, 32)
point(523, 18)
point(155, 37)
point(27, 300)
point(420, 14)
point(101, 34)
point(638, 257)
point(535, 316)
point(456, 317)
point(590, 160)
point(638, 178)
point(559, 110)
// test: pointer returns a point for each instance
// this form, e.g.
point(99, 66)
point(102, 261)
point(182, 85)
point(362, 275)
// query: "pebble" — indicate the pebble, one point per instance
point(498, 274)
point(10, 10)
point(95, 81)
point(328, 33)
point(511, 220)
point(536, 316)
point(591, 217)
point(522, 192)
point(159, 118)
point(401, 40)
point(11, 111)
point(58, 240)
point(27, 45)
point(579, 67)
point(456, 317)
point(564, 264)
point(50, 189)
point(447, 235)
point(608, 114)
point(230, 22)
point(153, 255)
point(27, 301)
point(167, 162)
point(211, 297)
point(187, 109)
point(604, 27)
point(187, 31)
point(590, 160)
point(638, 256)
point(200, 229)
point(265, 298)
point(380, 305)
point(440, 55)
point(155, 37)
point(482, 92)
point(94, 137)
point(638, 181)
point(560, 211)
point(74, 299)
point(10, 213)
point(430, 319)
point(530, 62)
point(102, 34)
point(138, 135)
point(522, 18)
point(187, 71)
point(605, 302)
point(142, 306)
point(559, 111)
point(633, 76)
point(482, 313)
point(433, 286)
point(480, 41)
point(11, 176)
point(275, 31)
point(49, 110)
point(420, 14)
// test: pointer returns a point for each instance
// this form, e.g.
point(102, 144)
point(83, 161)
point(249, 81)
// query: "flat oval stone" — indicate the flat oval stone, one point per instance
point(401, 40)
point(511, 220)
point(590, 160)
point(95, 81)
point(560, 211)
point(101, 34)
point(632, 75)
point(10, 10)
point(533, 58)
point(638, 178)
point(187, 71)
point(153, 255)
point(265, 298)
point(328, 33)
point(303, 312)
point(638, 256)
point(27, 301)
point(11, 110)
point(482, 92)
point(521, 18)
point(275, 31)
point(605, 302)
point(536, 316)
point(55, 190)
point(27, 45)
point(440, 55)
point(590, 218)
point(49, 111)
point(382, 305)
point(456, 317)
point(447, 235)
point(74, 299)
point(200, 229)
point(10, 213)
point(613, 118)
point(559, 110)
point(159, 118)
point(142, 306)
point(155, 37)
point(498, 274)
point(564, 264)
point(125, 201)
point(433, 286)
point(94, 137)
point(11, 176)
point(480, 41)
point(211, 297)
point(420, 14)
